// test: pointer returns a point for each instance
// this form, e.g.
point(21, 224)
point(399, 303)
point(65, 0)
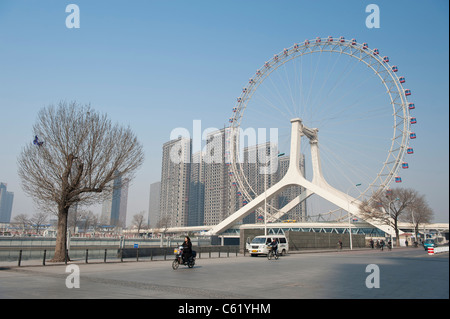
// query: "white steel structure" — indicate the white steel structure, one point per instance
point(284, 87)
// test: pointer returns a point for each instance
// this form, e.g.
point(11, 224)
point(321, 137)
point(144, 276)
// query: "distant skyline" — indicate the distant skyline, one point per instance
point(159, 65)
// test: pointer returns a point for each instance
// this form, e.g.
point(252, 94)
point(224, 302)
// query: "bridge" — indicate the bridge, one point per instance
point(359, 227)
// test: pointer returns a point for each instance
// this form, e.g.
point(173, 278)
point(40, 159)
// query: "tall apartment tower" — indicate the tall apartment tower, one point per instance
point(221, 198)
point(175, 177)
point(261, 176)
point(197, 190)
point(153, 205)
point(114, 208)
point(6, 203)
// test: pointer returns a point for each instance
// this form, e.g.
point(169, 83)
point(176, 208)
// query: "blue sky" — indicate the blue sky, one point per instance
point(158, 65)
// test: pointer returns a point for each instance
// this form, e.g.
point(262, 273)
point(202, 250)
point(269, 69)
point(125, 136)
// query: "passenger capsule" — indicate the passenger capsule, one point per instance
point(407, 92)
point(394, 68)
point(402, 79)
point(411, 106)
point(405, 165)
point(413, 120)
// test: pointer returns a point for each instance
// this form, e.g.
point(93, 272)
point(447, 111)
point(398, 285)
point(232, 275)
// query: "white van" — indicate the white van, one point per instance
point(259, 244)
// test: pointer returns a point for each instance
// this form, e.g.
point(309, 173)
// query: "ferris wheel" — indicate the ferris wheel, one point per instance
point(351, 94)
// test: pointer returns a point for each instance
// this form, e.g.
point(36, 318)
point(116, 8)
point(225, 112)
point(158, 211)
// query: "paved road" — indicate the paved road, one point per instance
point(403, 273)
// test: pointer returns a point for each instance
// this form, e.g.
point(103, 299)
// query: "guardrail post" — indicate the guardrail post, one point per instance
point(86, 258)
point(121, 254)
point(20, 258)
point(137, 254)
point(104, 257)
point(43, 259)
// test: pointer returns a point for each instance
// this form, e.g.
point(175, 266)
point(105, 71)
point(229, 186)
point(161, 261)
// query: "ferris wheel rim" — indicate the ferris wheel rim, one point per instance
point(353, 49)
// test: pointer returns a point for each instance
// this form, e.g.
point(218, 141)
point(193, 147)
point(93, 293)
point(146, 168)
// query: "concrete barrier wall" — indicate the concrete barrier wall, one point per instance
point(440, 249)
point(308, 240)
point(311, 240)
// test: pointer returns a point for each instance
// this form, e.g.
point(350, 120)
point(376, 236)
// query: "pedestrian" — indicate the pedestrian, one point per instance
point(340, 244)
point(371, 243)
point(406, 243)
point(382, 244)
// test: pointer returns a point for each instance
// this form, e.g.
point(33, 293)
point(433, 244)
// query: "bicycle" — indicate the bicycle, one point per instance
point(271, 253)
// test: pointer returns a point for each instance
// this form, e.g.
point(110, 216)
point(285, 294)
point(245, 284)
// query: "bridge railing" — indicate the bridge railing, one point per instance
point(42, 256)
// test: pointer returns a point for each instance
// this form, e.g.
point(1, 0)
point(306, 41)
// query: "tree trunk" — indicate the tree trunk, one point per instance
point(61, 236)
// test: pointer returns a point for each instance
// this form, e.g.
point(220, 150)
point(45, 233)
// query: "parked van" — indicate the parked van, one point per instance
point(258, 246)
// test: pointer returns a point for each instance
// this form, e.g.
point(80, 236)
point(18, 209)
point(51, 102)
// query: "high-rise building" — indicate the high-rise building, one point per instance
point(197, 191)
point(221, 199)
point(6, 203)
point(175, 176)
point(114, 208)
point(153, 205)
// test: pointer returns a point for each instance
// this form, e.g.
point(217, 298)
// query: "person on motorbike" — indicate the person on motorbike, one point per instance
point(274, 245)
point(187, 249)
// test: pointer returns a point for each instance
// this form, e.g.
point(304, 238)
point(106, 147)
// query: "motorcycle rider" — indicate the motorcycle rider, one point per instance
point(187, 249)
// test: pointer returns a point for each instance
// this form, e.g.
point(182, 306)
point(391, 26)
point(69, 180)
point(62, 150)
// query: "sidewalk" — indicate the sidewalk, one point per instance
point(38, 262)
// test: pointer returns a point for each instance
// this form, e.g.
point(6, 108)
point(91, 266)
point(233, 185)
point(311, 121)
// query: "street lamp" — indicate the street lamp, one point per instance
point(265, 196)
point(349, 217)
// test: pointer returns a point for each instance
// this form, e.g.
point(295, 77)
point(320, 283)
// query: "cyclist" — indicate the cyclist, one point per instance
point(274, 245)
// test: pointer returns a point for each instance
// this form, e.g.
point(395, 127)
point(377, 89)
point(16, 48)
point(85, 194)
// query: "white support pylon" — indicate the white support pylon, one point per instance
point(317, 186)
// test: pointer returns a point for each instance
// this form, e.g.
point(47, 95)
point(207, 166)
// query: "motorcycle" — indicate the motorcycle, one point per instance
point(179, 258)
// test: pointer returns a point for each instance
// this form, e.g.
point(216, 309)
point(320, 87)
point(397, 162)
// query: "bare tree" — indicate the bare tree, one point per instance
point(418, 214)
point(38, 220)
point(162, 225)
point(76, 155)
point(388, 206)
point(22, 220)
point(138, 221)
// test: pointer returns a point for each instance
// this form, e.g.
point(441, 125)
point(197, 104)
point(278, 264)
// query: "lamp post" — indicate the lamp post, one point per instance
point(349, 217)
point(265, 196)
